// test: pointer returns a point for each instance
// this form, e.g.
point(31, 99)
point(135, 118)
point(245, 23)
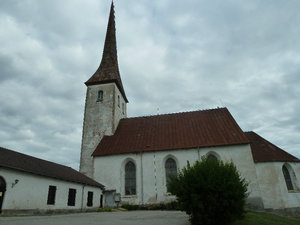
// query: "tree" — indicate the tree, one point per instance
point(211, 192)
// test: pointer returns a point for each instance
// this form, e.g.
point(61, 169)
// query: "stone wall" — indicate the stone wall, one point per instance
point(100, 118)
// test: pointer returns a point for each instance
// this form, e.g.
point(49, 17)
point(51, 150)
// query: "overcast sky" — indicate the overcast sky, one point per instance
point(174, 56)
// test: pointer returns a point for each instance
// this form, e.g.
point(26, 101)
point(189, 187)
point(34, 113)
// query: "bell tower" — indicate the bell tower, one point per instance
point(105, 102)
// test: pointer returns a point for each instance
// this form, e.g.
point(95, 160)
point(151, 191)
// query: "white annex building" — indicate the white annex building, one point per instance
point(33, 186)
point(133, 157)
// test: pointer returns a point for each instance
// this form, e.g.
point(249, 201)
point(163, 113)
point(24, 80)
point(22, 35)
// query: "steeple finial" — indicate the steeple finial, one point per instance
point(108, 70)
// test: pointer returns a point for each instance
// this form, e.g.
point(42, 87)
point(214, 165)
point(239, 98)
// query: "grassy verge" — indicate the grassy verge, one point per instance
point(104, 210)
point(251, 218)
point(254, 218)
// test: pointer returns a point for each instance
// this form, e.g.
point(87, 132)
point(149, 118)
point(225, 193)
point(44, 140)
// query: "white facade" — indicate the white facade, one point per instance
point(151, 176)
point(273, 187)
point(101, 117)
point(26, 192)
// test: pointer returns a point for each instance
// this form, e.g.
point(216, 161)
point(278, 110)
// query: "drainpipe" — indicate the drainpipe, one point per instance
point(82, 193)
point(198, 153)
point(142, 186)
point(155, 180)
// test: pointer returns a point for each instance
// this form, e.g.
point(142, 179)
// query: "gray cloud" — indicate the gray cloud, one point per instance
point(187, 55)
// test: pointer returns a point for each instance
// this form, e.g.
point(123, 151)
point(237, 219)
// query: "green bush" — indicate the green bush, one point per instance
point(211, 192)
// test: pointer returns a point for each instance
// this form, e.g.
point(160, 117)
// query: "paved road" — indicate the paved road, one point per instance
point(103, 218)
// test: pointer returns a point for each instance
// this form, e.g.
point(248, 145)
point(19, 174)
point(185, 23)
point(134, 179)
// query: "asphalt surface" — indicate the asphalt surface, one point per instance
point(102, 218)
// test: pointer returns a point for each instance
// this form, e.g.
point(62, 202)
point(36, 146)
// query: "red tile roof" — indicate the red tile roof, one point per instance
point(265, 151)
point(25, 163)
point(215, 127)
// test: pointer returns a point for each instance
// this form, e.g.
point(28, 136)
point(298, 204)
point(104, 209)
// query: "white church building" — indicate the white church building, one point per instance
point(133, 157)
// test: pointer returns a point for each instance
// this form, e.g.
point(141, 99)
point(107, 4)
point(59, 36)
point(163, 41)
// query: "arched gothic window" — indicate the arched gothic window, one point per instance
point(171, 170)
point(130, 179)
point(212, 157)
point(287, 177)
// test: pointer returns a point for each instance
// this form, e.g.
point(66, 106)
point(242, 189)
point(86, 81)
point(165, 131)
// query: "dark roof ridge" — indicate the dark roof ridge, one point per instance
point(33, 165)
point(36, 158)
point(177, 113)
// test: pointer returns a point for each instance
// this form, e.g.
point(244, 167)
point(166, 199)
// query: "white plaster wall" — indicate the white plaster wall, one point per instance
point(151, 170)
point(273, 186)
point(31, 192)
point(100, 118)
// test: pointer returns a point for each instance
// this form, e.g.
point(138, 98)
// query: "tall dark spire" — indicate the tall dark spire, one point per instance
point(108, 71)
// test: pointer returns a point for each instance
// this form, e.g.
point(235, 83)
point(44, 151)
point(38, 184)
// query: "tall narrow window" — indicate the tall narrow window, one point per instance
point(100, 96)
point(171, 170)
point(101, 201)
point(119, 100)
point(51, 195)
point(90, 198)
point(71, 197)
point(130, 179)
point(123, 108)
point(287, 177)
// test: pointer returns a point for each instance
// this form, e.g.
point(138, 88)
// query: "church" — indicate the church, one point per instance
point(133, 157)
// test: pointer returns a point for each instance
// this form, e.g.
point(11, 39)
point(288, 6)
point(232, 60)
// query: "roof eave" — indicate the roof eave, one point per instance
point(101, 186)
point(95, 154)
point(276, 160)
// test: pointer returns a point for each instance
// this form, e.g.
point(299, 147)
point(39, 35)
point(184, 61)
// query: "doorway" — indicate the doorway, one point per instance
point(101, 201)
point(2, 191)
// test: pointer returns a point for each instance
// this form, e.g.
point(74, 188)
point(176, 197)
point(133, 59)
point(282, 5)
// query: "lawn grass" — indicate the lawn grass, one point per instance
point(255, 218)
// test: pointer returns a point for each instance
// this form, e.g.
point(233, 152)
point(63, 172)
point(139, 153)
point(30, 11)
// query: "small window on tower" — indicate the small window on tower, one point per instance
point(100, 96)
point(119, 100)
point(123, 108)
